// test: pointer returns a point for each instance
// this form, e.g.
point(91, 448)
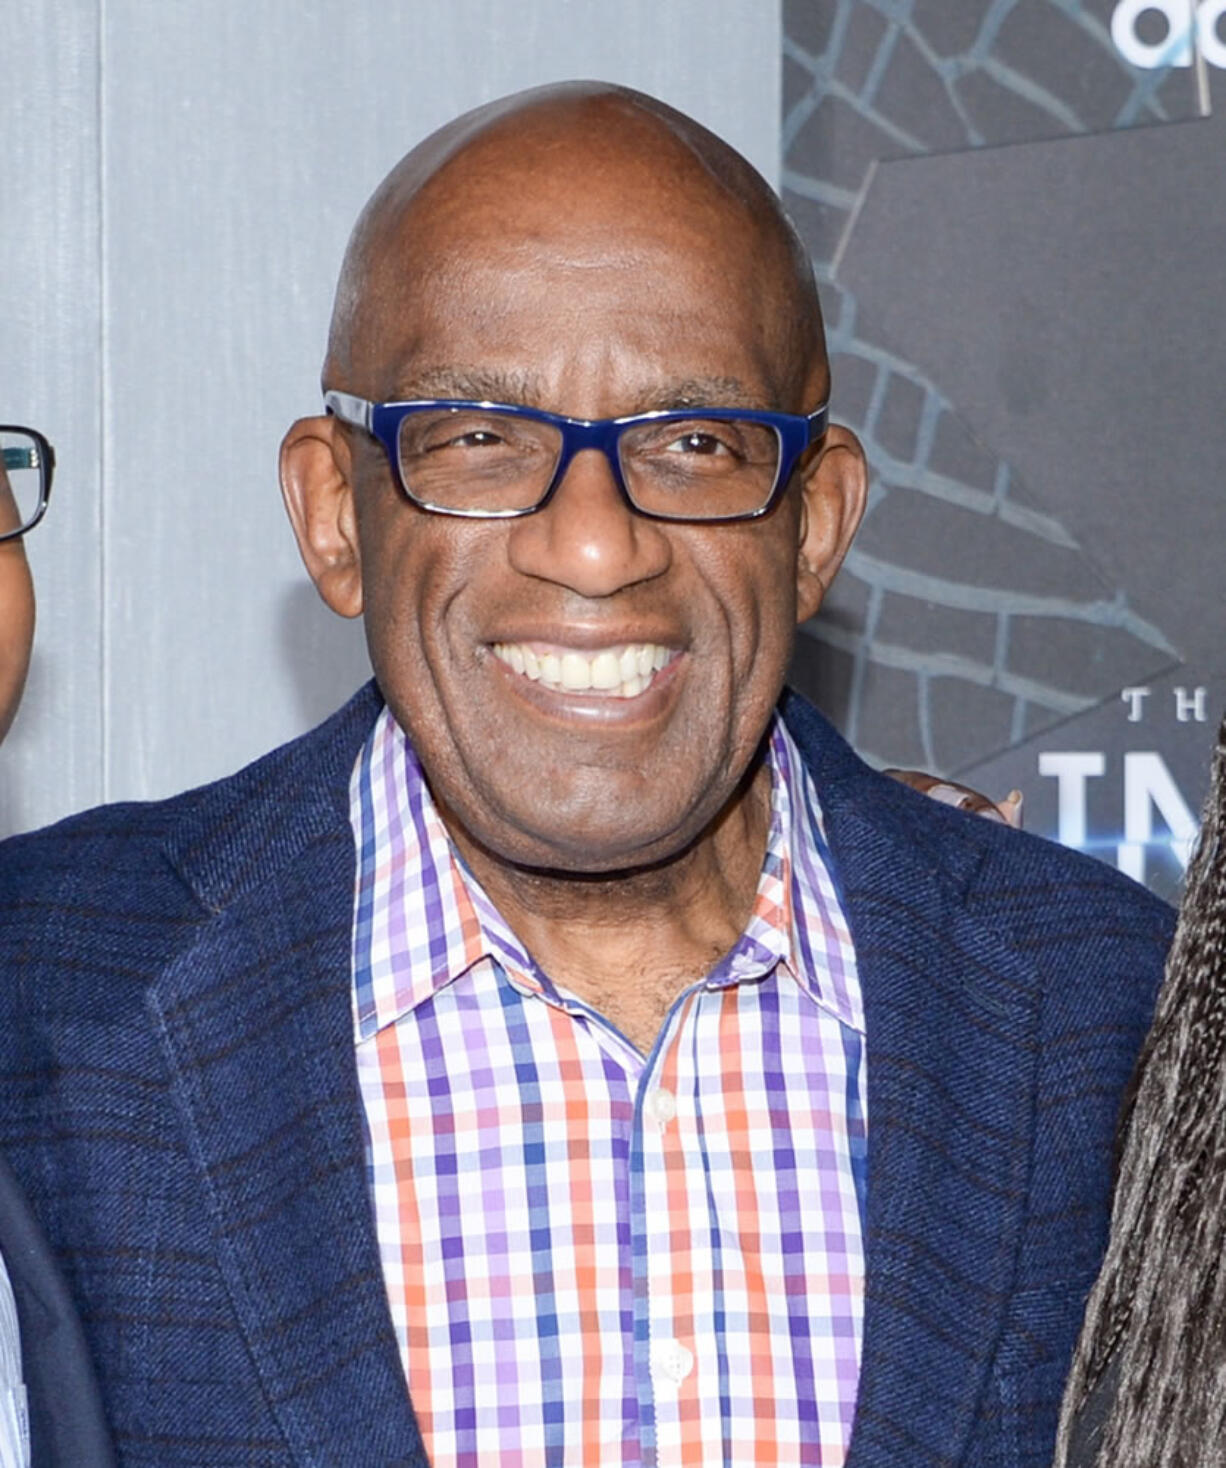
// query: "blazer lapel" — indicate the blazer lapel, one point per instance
point(951, 1017)
point(256, 1022)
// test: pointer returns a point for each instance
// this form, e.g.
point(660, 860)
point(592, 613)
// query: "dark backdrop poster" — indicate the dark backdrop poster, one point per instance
point(1017, 212)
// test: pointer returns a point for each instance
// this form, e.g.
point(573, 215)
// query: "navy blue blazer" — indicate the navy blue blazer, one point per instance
point(178, 1096)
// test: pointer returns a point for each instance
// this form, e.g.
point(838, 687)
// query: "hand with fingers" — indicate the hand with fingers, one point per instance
point(1007, 812)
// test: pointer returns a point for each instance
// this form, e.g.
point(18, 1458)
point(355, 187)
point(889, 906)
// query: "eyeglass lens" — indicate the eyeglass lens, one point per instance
point(21, 480)
point(480, 460)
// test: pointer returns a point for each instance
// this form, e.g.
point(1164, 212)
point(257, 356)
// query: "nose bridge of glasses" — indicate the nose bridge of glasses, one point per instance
point(591, 538)
point(582, 435)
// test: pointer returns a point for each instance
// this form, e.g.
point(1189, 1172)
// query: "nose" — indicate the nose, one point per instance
point(587, 538)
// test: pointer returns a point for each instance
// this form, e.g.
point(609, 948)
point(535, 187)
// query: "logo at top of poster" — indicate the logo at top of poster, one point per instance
point(1153, 33)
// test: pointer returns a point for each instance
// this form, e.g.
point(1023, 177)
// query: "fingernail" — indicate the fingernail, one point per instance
point(947, 794)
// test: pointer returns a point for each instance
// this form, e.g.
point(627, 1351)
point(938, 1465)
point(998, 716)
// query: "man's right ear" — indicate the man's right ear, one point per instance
point(317, 487)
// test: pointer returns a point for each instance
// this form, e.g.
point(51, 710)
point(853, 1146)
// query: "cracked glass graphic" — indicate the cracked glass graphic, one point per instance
point(967, 618)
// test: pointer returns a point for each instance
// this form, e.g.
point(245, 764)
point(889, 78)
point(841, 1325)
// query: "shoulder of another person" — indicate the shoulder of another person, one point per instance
point(67, 1425)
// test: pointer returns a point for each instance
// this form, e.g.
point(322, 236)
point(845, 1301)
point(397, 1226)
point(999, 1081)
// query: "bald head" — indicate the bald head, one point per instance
point(581, 160)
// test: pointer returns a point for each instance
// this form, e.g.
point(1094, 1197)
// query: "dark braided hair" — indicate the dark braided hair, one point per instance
point(1157, 1316)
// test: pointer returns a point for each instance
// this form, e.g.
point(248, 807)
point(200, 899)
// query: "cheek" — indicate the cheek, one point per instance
point(755, 586)
point(411, 572)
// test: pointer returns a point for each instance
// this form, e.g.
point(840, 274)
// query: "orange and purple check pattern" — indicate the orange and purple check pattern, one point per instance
point(594, 1256)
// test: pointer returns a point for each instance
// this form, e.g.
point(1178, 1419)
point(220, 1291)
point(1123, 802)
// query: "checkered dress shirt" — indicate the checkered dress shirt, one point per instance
point(592, 1256)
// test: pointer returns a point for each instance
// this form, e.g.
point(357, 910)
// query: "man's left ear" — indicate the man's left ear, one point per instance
point(834, 488)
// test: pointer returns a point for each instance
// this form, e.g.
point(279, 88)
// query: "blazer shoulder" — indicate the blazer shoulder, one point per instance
point(99, 903)
point(945, 833)
point(1071, 913)
point(190, 838)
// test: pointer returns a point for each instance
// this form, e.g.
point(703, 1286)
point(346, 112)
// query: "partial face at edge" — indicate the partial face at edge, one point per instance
point(16, 611)
point(595, 288)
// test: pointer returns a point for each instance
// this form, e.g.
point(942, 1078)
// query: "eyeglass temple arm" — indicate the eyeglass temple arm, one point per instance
point(350, 408)
point(818, 421)
point(23, 458)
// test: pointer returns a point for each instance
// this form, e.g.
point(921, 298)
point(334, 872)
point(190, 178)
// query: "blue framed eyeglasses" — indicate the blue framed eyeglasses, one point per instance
point(497, 461)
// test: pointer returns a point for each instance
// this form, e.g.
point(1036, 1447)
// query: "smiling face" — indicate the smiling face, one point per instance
point(586, 688)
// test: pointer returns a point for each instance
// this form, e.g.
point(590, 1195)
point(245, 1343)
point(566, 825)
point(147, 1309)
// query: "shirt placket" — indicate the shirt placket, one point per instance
point(618, 1434)
point(679, 1333)
point(663, 1356)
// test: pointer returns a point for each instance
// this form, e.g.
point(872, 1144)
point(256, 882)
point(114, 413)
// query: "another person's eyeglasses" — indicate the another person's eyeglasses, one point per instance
point(491, 461)
point(27, 465)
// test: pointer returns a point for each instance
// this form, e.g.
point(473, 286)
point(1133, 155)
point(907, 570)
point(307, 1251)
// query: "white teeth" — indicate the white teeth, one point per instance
point(606, 670)
point(576, 672)
point(623, 672)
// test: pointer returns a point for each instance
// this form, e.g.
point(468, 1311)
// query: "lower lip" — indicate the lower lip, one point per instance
point(596, 708)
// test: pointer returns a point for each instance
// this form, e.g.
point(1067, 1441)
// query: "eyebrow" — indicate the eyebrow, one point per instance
point(475, 384)
point(703, 392)
point(523, 389)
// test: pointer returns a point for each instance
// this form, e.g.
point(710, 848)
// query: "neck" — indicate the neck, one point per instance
point(627, 943)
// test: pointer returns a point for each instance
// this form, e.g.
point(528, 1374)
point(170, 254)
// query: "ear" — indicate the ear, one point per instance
point(834, 488)
point(317, 487)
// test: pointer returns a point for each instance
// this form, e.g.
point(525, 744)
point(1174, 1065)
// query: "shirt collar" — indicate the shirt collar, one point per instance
point(422, 920)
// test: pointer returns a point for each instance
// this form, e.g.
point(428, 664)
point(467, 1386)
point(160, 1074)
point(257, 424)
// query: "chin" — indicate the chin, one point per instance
point(582, 843)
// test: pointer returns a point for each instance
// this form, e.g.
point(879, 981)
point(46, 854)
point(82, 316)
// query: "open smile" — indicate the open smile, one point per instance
point(625, 670)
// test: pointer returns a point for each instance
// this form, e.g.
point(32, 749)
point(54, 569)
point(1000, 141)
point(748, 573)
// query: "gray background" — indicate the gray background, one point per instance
point(179, 182)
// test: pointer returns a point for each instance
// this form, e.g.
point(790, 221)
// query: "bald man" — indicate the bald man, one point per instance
point(571, 1053)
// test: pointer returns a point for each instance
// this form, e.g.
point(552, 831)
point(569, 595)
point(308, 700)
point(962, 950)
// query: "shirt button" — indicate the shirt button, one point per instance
point(661, 1106)
point(671, 1362)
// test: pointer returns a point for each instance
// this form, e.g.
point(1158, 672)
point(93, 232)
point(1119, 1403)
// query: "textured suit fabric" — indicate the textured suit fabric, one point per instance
point(67, 1425)
point(180, 1103)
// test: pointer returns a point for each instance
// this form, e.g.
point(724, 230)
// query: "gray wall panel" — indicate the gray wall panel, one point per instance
point(1015, 208)
point(50, 377)
point(237, 143)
